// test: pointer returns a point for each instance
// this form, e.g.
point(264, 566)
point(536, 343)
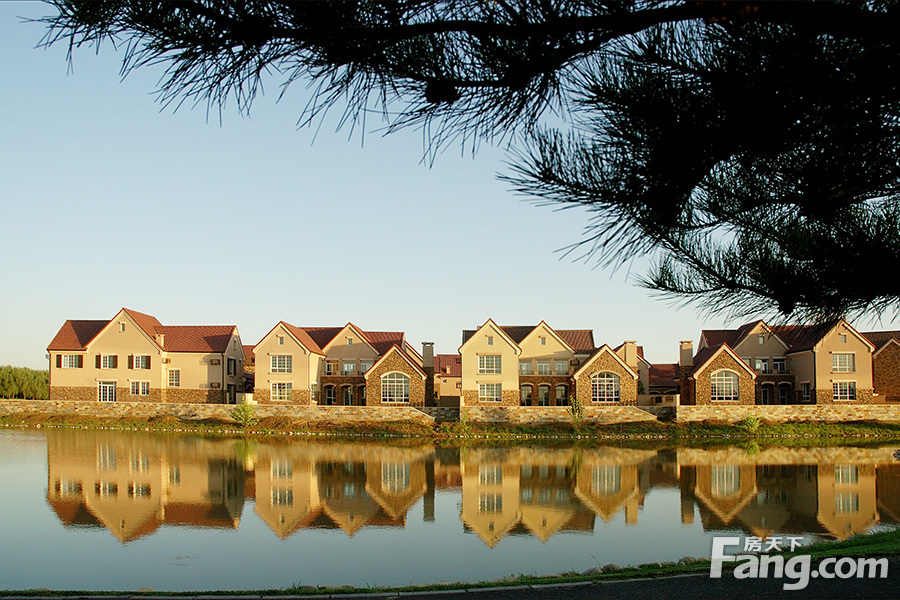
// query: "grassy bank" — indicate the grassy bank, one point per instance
point(875, 545)
point(651, 432)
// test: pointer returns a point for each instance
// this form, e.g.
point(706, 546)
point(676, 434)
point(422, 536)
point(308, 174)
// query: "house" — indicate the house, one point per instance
point(337, 366)
point(530, 365)
point(788, 364)
point(447, 379)
point(134, 358)
point(885, 364)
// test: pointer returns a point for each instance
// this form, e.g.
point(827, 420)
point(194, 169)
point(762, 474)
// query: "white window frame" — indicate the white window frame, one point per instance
point(364, 366)
point(108, 361)
point(394, 388)
point(779, 361)
point(805, 392)
point(281, 363)
point(490, 392)
point(489, 367)
point(231, 366)
point(281, 391)
point(331, 367)
point(348, 368)
point(545, 401)
point(69, 361)
point(843, 395)
point(564, 400)
point(140, 362)
point(606, 387)
point(106, 391)
point(562, 367)
point(347, 395)
point(174, 378)
point(525, 367)
point(543, 367)
point(523, 399)
point(725, 386)
point(140, 388)
point(843, 362)
point(330, 394)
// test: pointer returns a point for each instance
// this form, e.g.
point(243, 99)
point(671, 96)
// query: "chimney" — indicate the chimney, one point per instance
point(161, 340)
point(428, 367)
point(686, 354)
point(631, 355)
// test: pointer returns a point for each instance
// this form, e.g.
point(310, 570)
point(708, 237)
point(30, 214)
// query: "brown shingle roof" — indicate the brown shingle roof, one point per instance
point(303, 336)
point(146, 322)
point(880, 338)
point(380, 340)
point(732, 337)
point(249, 355)
point(664, 375)
point(444, 361)
point(580, 340)
point(799, 337)
point(196, 338)
point(75, 335)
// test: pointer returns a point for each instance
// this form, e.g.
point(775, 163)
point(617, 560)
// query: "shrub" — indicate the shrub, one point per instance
point(243, 414)
point(750, 423)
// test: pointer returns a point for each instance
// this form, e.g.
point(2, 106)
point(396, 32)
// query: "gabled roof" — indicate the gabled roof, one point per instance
point(300, 336)
point(579, 340)
point(598, 352)
point(664, 375)
point(707, 355)
point(77, 335)
point(733, 337)
point(880, 339)
point(381, 341)
point(805, 337)
point(453, 361)
point(512, 341)
point(395, 348)
point(249, 355)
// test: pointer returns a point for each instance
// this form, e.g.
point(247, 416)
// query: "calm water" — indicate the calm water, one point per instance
point(110, 510)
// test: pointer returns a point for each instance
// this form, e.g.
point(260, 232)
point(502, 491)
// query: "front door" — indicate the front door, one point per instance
point(106, 391)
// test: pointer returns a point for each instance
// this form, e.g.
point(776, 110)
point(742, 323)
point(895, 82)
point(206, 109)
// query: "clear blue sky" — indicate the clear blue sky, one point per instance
point(109, 200)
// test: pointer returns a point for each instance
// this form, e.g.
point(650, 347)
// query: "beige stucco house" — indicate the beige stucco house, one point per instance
point(330, 366)
point(529, 365)
point(135, 358)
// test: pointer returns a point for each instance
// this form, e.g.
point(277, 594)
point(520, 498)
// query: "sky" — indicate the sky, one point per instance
point(110, 200)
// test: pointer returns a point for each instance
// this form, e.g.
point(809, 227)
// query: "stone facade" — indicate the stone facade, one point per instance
point(339, 381)
point(781, 413)
point(191, 396)
point(698, 390)
point(507, 398)
point(301, 397)
point(886, 373)
point(394, 363)
point(73, 394)
point(147, 410)
point(535, 381)
point(826, 397)
point(605, 363)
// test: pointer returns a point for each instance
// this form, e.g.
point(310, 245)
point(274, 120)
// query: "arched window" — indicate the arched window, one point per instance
point(329, 395)
point(394, 388)
point(605, 387)
point(544, 395)
point(525, 395)
point(725, 386)
point(562, 395)
point(347, 395)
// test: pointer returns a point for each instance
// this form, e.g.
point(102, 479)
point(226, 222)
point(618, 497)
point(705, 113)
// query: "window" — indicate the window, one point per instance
point(805, 395)
point(282, 497)
point(364, 366)
point(281, 340)
point(490, 340)
point(140, 463)
point(108, 361)
point(394, 388)
point(395, 477)
point(846, 503)
point(846, 474)
point(71, 361)
point(140, 388)
point(106, 458)
point(544, 395)
point(543, 341)
point(606, 480)
point(725, 386)
point(347, 395)
point(726, 480)
point(761, 339)
point(490, 503)
point(543, 367)
point(140, 361)
point(525, 367)
point(489, 392)
point(106, 489)
point(174, 377)
point(349, 341)
point(562, 367)
point(784, 391)
point(329, 395)
point(762, 365)
point(562, 395)
point(605, 387)
point(843, 337)
point(106, 391)
point(232, 366)
point(843, 362)
point(779, 365)
point(282, 391)
point(490, 474)
point(282, 469)
point(844, 390)
point(362, 395)
point(525, 395)
point(489, 364)
point(122, 327)
point(138, 490)
point(331, 367)
point(349, 367)
point(282, 363)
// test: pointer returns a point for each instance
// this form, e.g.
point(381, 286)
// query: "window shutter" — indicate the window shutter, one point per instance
point(59, 361)
point(115, 361)
point(131, 361)
point(148, 362)
point(79, 360)
point(98, 361)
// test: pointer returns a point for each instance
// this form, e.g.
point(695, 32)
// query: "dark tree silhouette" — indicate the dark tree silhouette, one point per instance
point(750, 148)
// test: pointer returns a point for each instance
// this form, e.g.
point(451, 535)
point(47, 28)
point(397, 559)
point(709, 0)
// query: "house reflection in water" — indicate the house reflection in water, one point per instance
point(133, 484)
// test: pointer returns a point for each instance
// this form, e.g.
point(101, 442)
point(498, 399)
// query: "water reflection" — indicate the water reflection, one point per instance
point(134, 484)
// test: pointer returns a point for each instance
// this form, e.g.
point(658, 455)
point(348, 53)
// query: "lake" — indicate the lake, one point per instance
point(109, 510)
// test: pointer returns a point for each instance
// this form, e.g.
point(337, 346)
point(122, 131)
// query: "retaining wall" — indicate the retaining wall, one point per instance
point(147, 410)
point(441, 414)
point(790, 412)
point(543, 415)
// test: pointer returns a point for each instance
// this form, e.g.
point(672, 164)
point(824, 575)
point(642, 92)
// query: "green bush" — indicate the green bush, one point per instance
point(243, 414)
point(750, 423)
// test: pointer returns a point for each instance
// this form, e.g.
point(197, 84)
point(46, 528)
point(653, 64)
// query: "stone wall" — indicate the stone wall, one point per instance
point(73, 394)
point(886, 373)
point(604, 362)
point(193, 396)
point(394, 363)
point(702, 392)
point(301, 397)
point(507, 398)
point(535, 381)
point(532, 415)
point(441, 414)
point(339, 381)
point(146, 410)
point(780, 413)
point(825, 396)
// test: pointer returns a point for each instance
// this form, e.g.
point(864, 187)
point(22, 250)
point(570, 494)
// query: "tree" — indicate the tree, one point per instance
point(750, 148)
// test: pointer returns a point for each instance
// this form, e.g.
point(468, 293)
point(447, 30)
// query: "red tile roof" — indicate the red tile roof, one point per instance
point(322, 335)
point(800, 337)
point(380, 340)
point(580, 340)
point(249, 355)
point(453, 362)
point(664, 375)
point(75, 335)
point(303, 336)
point(880, 338)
